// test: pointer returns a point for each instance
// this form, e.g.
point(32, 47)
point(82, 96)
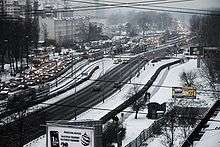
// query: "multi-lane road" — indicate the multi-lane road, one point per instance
point(30, 127)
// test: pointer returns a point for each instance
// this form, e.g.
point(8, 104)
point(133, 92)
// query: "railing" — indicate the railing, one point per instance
point(147, 133)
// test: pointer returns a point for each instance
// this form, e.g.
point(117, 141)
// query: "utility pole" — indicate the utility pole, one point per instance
point(72, 65)
point(56, 73)
point(27, 27)
point(36, 25)
point(65, 17)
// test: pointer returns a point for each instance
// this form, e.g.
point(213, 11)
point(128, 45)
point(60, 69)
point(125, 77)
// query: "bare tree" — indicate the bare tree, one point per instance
point(137, 106)
point(188, 78)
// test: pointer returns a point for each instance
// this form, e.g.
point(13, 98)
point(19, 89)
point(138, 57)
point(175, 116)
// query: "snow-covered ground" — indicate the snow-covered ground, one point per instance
point(212, 134)
point(121, 95)
point(115, 100)
point(159, 94)
point(165, 95)
point(135, 126)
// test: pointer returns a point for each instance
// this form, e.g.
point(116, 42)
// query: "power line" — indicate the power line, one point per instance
point(138, 3)
point(213, 13)
point(125, 111)
point(140, 84)
point(190, 9)
point(133, 6)
point(147, 3)
point(118, 4)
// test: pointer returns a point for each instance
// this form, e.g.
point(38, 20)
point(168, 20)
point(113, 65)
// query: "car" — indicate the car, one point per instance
point(117, 84)
point(3, 94)
point(115, 62)
point(125, 61)
point(96, 87)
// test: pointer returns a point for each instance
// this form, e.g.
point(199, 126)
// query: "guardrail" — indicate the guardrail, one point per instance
point(63, 71)
point(157, 125)
point(75, 84)
point(147, 133)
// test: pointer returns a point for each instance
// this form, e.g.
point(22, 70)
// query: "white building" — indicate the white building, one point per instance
point(74, 29)
point(11, 7)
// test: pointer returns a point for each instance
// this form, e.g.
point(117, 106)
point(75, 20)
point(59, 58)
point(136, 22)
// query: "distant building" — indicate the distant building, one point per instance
point(62, 29)
point(73, 29)
point(12, 8)
point(2, 6)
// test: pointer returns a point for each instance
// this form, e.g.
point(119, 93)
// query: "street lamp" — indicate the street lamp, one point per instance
point(56, 74)
point(26, 37)
point(5, 42)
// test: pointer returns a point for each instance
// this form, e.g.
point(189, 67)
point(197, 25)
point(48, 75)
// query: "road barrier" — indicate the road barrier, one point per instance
point(147, 133)
point(75, 84)
point(156, 126)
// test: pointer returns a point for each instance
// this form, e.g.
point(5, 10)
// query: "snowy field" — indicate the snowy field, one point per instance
point(212, 134)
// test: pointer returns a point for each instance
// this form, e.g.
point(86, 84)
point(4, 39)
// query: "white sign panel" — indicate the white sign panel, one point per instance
point(65, 136)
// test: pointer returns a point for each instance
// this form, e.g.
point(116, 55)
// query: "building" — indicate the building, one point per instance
point(12, 8)
point(2, 6)
point(71, 29)
point(64, 29)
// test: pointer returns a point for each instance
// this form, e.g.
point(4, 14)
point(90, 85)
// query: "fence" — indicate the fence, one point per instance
point(147, 133)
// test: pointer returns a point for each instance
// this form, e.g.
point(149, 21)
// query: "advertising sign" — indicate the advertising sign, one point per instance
point(189, 92)
point(197, 51)
point(184, 92)
point(68, 136)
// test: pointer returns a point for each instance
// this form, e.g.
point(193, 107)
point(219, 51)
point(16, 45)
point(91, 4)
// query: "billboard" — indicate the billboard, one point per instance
point(197, 51)
point(184, 92)
point(69, 136)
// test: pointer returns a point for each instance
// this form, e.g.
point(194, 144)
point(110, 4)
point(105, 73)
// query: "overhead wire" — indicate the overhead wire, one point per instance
point(149, 3)
point(133, 5)
point(124, 111)
point(142, 8)
point(142, 84)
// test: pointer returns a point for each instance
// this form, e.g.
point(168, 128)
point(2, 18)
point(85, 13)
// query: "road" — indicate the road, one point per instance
point(64, 109)
point(29, 127)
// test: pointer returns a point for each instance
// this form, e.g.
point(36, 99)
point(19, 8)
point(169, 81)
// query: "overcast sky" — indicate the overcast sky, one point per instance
point(193, 4)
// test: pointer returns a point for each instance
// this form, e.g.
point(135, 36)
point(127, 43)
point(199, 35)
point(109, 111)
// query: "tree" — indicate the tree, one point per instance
point(20, 107)
point(183, 118)
point(35, 25)
point(95, 32)
point(188, 78)
point(206, 29)
point(138, 105)
point(130, 30)
point(114, 132)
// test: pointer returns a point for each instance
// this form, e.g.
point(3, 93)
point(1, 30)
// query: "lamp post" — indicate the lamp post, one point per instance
point(56, 74)
point(5, 42)
point(27, 48)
